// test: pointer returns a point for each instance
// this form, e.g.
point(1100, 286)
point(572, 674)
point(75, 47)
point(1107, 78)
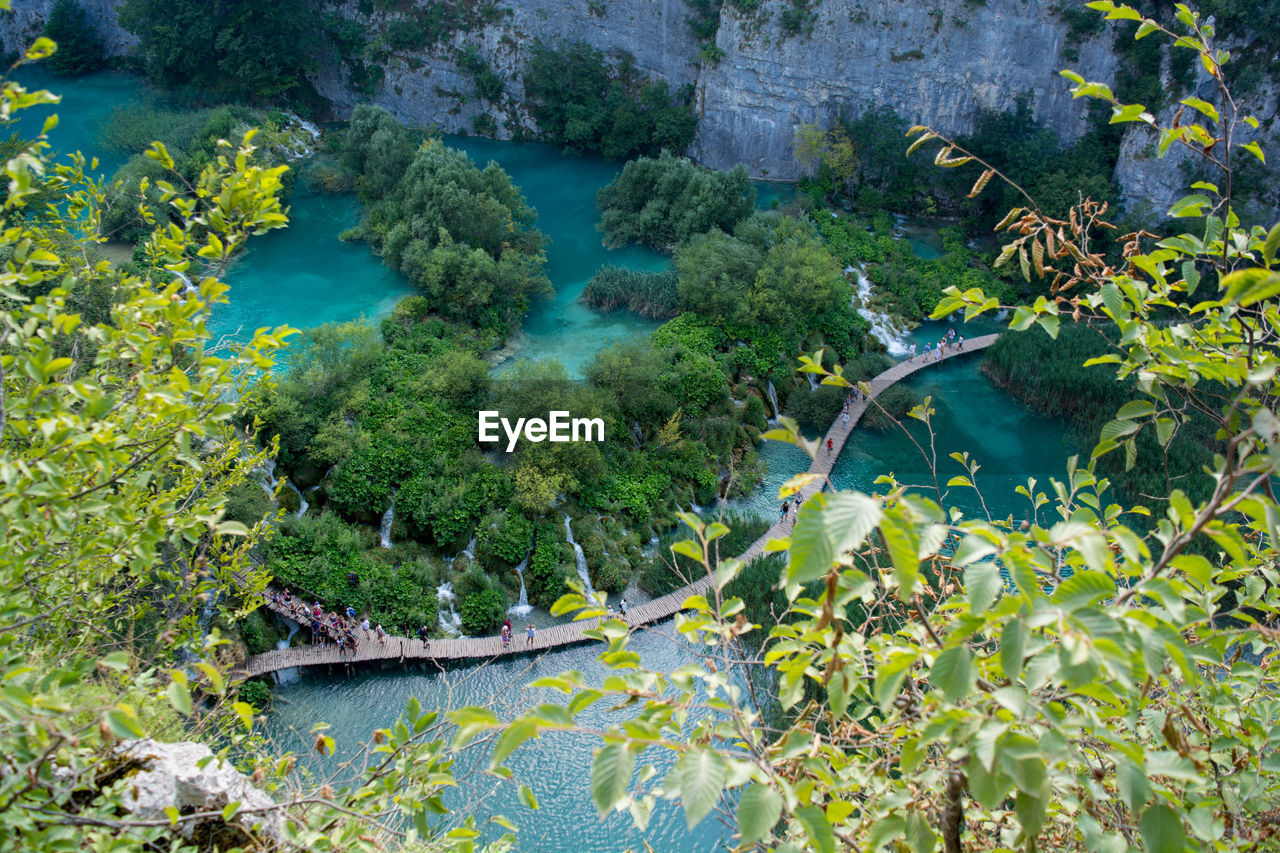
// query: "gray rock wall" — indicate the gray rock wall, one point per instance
point(22, 25)
point(938, 63)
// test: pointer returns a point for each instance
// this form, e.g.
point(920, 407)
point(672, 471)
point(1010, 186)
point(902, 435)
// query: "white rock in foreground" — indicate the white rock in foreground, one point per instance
point(188, 777)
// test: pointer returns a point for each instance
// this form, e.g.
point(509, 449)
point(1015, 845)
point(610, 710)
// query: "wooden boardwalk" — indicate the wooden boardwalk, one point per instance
point(399, 649)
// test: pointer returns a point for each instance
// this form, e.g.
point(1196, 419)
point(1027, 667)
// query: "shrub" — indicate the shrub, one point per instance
point(890, 405)
point(483, 610)
point(662, 201)
point(255, 692)
point(548, 567)
point(816, 409)
point(258, 633)
point(79, 47)
point(504, 539)
point(584, 103)
point(653, 295)
point(667, 572)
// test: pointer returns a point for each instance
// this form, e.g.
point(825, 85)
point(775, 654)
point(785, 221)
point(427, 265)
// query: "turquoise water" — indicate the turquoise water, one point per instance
point(557, 768)
point(563, 190)
point(86, 103)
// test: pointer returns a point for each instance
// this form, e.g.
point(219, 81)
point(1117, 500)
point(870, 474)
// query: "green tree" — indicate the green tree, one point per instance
point(231, 48)
point(79, 46)
point(664, 201)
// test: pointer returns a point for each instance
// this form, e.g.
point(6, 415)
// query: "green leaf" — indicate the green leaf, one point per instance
point(759, 810)
point(1083, 589)
point(904, 551)
point(179, 698)
point(1190, 205)
point(1256, 150)
point(1271, 244)
point(1013, 643)
point(889, 677)
point(952, 672)
point(527, 798)
point(611, 775)
point(816, 828)
point(123, 722)
point(1203, 107)
point(1245, 287)
point(516, 734)
point(1162, 830)
point(702, 773)
point(229, 811)
point(982, 584)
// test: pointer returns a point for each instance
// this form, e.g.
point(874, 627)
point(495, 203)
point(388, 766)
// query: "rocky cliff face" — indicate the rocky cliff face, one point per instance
point(936, 63)
point(22, 25)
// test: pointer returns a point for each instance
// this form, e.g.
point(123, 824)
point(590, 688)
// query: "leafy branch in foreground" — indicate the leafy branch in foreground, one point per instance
point(1071, 680)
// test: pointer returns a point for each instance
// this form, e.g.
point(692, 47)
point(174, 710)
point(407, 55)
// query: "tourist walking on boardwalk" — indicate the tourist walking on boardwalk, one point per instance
point(960, 343)
point(364, 625)
point(912, 357)
point(926, 350)
point(844, 419)
point(382, 635)
point(422, 633)
point(506, 637)
point(786, 507)
point(829, 445)
point(623, 607)
point(528, 633)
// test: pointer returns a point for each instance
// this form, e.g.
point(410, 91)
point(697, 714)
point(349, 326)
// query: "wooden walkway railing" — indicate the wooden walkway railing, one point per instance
point(408, 648)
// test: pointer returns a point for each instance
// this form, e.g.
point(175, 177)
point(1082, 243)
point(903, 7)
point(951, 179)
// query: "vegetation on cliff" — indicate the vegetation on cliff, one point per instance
point(584, 102)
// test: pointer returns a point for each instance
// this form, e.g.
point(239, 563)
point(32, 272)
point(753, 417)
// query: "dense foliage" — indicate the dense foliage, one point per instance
point(654, 295)
point(659, 202)
point(229, 49)
point(462, 235)
point(770, 278)
point(863, 159)
point(584, 102)
point(191, 138)
point(79, 45)
point(906, 284)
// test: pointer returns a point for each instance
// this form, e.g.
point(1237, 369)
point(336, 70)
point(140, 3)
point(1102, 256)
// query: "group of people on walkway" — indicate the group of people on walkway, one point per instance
point(530, 633)
point(936, 350)
point(343, 629)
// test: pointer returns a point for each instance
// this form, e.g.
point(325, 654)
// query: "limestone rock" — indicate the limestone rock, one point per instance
point(172, 775)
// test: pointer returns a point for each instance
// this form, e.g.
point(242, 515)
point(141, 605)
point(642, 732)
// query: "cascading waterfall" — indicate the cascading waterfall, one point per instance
point(448, 618)
point(522, 607)
point(773, 398)
point(388, 518)
point(583, 575)
point(636, 435)
point(302, 502)
point(269, 481)
point(888, 330)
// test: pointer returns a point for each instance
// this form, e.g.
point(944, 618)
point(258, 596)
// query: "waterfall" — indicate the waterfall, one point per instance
point(449, 620)
point(384, 530)
point(289, 674)
point(522, 607)
point(302, 502)
point(269, 481)
point(582, 560)
point(813, 381)
point(187, 286)
point(636, 435)
point(773, 397)
point(888, 330)
point(469, 551)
